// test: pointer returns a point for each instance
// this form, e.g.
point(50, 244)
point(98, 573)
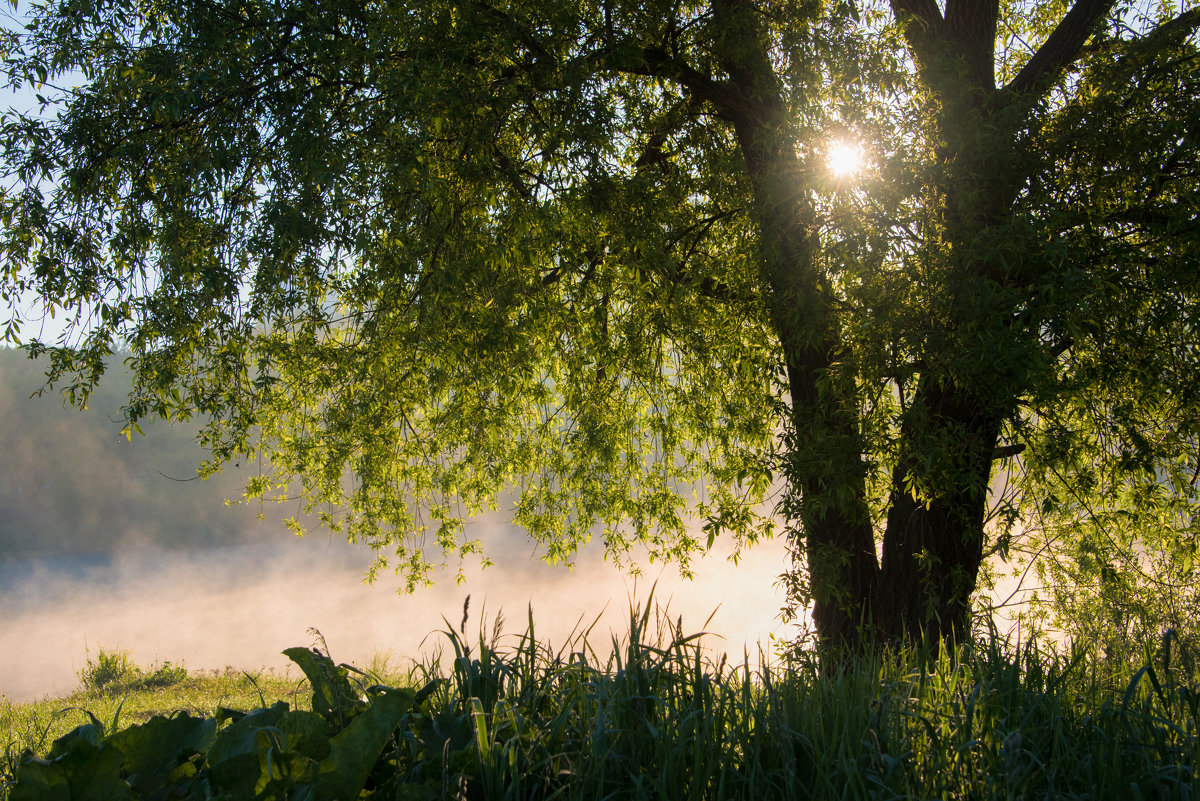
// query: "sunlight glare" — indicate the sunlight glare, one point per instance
point(845, 158)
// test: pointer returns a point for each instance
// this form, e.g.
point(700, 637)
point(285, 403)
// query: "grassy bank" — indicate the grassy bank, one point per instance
point(120, 694)
point(37, 724)
point(512, 718)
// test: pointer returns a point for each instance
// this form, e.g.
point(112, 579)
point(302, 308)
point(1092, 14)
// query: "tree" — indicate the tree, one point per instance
point(432, 255)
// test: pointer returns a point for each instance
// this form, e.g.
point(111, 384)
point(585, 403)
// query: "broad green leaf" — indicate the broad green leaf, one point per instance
point(355, 749)
point(334, 697)
point(154, 750)
point(80, 770)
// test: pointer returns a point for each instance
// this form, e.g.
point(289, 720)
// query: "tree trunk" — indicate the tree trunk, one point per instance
point(829, 482)
point(933, 541)
point(825, 471)
point(933, 546)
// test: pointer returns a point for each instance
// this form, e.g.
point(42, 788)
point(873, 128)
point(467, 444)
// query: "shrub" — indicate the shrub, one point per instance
point(114, 672)
point(108, 671)
point(166, 675)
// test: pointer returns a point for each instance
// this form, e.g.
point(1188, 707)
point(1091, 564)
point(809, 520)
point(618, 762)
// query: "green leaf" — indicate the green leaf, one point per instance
point(307, 733)
point(40, 780)
point(154, 750)
point(334, 697)
point(235, 759)
point(355, 749)
point(80, 771)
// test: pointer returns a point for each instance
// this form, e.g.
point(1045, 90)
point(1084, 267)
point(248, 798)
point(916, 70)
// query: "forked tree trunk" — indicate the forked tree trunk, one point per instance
point(932, 544)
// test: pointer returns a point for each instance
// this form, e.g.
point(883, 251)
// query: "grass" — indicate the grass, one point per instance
point(115, 690)
point(653, 718)
point(132, 695)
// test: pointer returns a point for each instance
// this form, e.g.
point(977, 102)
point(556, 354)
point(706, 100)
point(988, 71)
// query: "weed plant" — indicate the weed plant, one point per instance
point(652, 717)
point(114, 673)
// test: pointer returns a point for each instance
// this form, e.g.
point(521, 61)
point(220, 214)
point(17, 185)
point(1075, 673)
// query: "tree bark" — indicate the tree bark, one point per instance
point(932, 548)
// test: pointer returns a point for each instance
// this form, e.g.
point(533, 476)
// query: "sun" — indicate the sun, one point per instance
point(844, 158)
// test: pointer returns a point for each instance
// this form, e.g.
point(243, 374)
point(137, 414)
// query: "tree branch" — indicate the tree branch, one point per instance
point(923, 12)
point(652, 154)
point(655, 62)
point(1008, 451)
point(1182, 25)
point(922, 24)
point(1061, 47)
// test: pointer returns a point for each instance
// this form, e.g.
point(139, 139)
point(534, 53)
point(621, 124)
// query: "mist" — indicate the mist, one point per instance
point(240, 606)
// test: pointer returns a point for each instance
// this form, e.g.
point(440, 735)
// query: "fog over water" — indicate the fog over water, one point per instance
point(240, 606)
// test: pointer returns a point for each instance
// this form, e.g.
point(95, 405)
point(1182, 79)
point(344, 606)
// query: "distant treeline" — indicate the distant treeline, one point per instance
point(71, 483)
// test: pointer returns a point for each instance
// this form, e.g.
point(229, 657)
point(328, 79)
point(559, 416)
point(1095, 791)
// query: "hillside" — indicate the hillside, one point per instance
point(72, 484)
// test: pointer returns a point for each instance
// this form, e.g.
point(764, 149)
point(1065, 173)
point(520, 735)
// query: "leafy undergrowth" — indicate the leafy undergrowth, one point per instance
point(656, 720)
